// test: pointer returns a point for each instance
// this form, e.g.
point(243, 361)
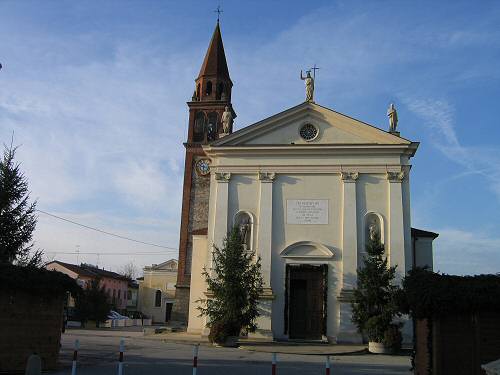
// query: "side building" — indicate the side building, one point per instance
point(157, 290)
point(116, 285)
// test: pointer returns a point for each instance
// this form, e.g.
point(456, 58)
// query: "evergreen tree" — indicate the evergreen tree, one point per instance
point(93, 303)
point(235, 285)
point(374, 305)
point(17, 214)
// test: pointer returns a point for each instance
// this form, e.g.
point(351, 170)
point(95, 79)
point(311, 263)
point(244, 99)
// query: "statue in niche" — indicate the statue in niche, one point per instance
point(211, 131)
point(227, 120)
point(244, 227)
point(393, 118)
point(373, 231)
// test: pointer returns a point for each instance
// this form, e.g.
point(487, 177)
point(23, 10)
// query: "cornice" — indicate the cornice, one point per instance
point(310, 169)
point(313, 149)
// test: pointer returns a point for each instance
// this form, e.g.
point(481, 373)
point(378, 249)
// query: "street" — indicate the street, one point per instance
point(98, 354)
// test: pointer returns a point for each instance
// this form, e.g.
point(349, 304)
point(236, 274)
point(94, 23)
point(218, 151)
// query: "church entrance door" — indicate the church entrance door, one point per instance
point(306, 300)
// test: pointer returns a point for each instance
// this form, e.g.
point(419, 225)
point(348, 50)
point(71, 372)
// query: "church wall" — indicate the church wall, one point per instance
point(423, 252)
point(305, 187)
point(243, 196)
point(305, 176)
point(371, 196)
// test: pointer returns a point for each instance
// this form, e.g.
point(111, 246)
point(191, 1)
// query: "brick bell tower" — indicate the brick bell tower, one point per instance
point(211, 96)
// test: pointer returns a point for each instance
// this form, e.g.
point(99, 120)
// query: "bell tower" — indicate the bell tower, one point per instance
point(212, 94)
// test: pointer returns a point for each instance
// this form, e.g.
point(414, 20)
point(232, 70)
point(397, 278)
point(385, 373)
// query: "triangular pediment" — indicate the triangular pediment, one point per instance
point(332, 128)
point(169, 265)
point(306, 249)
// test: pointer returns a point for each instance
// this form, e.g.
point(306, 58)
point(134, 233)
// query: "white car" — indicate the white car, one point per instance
point(114, 315)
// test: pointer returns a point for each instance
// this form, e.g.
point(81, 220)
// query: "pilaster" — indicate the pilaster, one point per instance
point(349, 230)
point(348, 332)
point(396, 242)
point(265, 222)
point(221, 207)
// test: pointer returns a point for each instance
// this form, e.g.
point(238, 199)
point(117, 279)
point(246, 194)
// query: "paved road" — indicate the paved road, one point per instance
point(99, 353)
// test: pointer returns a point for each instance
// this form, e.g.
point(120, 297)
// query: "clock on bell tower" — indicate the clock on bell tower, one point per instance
point(211, 97)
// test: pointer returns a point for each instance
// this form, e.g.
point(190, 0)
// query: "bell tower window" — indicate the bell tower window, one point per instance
point(208, 88)
point(220, 90)
point(199, 127)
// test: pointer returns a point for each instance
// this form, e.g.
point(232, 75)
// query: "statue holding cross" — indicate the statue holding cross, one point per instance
point(309, 81)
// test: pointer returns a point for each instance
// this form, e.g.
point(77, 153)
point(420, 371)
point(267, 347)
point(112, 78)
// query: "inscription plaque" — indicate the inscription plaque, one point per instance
point(307, 211)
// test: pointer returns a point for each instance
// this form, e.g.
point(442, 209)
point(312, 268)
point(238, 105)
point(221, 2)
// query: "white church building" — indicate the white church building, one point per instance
point(310, 182)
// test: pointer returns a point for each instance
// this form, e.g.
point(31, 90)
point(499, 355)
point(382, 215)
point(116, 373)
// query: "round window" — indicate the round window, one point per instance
point(308, 132)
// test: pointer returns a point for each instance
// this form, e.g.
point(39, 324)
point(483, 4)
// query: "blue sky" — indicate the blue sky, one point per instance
point(95, 93)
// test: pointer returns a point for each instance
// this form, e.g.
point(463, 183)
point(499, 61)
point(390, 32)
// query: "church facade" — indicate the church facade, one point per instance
point(308, 186)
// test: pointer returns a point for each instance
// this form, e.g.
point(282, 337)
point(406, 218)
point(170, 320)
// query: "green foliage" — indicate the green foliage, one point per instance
point(393, 338)
point(374, 305)
point(17, 215)
point(92, 303)
point(36, 281)
point(235, 283)
point(426, 294)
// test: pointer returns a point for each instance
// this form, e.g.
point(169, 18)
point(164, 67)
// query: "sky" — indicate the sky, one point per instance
point(95, 94)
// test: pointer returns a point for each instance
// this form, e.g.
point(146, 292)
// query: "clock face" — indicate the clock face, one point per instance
point(203, 167)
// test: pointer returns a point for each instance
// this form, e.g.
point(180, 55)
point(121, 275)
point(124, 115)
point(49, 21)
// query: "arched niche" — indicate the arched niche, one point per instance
point(244, 221)
point(307, 249)
point(373, 218)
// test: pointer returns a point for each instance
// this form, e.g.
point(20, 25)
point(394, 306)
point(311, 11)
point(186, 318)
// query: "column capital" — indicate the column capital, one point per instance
point(349, 176)
point(396, 176)
point(222, 176)
point(267, 176)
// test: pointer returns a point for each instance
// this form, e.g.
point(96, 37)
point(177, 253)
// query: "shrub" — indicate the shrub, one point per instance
point(393, 338)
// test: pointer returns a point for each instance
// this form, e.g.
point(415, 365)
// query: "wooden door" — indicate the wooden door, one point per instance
point(306, 299)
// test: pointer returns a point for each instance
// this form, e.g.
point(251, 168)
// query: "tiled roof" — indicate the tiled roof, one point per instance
point(91, 271)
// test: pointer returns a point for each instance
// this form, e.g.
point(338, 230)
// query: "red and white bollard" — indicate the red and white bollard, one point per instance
point(120, 359)
point(75, 356)
point(195, 358)
point(327, 365)
point(273, 366)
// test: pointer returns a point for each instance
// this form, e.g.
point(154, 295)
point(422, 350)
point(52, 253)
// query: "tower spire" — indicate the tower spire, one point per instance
point(215, 63)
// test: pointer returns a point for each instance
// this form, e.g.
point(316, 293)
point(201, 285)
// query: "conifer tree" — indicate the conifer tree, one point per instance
point(93, 303)
point(17, 214)
point(235, 284)
point(374, 306)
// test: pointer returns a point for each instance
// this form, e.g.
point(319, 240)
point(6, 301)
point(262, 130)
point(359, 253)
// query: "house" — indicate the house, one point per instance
point(157, 290)
point(132, 296)
point(116, 285)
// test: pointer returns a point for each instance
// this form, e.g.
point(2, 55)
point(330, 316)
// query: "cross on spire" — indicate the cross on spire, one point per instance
point(218, 11)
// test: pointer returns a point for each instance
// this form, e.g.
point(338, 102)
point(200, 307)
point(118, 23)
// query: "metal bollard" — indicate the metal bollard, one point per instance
point(327, 365)
point(273, 366)
point(120, 359)
point(195, 358)
point(75, 356)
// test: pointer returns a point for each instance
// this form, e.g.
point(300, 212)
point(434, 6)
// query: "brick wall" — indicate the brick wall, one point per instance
point(29, 324)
